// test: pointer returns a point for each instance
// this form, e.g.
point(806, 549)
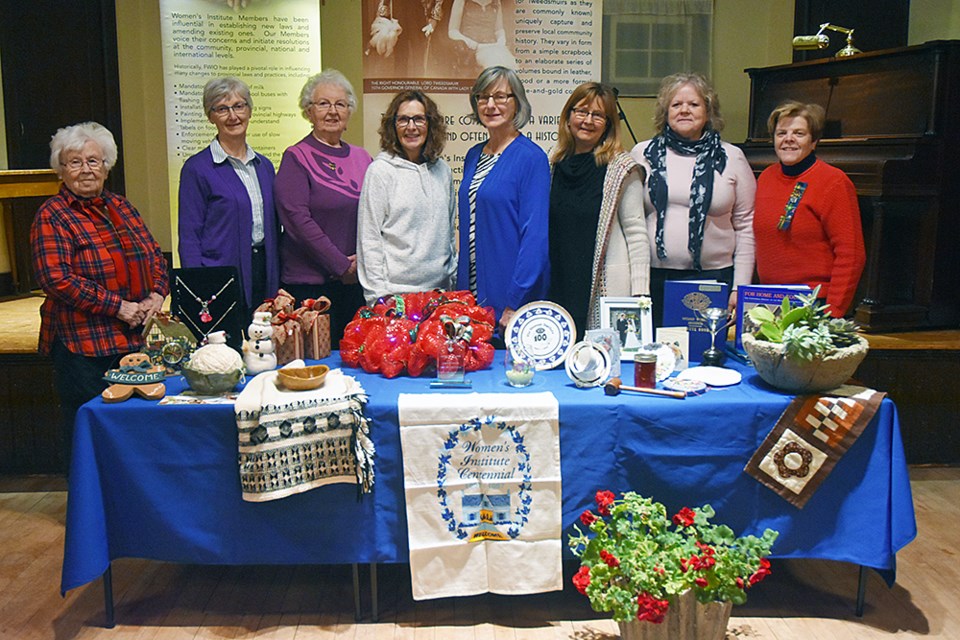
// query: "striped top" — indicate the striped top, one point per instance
point(484, 166)
point(246, 170)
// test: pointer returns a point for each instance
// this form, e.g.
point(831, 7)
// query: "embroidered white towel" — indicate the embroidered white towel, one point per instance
point(483, 492)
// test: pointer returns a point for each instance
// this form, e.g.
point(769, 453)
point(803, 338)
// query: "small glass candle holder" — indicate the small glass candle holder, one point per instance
point(519, 369)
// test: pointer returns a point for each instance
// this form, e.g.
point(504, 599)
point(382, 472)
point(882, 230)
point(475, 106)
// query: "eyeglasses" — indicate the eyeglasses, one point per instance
point(499, 99)
point(223, 109)
point(583, 114)
point(404, 121)
point(326, 105)
point(76, 164)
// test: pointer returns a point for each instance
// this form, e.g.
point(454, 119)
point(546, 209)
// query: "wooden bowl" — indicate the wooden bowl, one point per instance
point(303, 378)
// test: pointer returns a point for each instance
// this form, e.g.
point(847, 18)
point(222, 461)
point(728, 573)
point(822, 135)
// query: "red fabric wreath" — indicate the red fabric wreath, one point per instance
point(406, 332)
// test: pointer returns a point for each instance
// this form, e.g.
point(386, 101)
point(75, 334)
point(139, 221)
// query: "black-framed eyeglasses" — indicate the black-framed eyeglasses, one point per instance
point(77, 163)
point(223, 109)
point(404, 121)
point(583, 114)
point(499, 99)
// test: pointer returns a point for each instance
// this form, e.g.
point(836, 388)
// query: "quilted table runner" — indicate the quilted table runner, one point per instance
point(293, 441)
point(482, 485)
point(810, 438)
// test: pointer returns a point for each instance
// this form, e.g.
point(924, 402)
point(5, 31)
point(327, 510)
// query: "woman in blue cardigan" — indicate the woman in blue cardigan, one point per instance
point(227, 217)
point(504, 202)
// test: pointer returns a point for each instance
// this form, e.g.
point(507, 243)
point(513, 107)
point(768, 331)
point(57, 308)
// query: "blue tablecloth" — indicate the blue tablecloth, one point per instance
point(161, 482)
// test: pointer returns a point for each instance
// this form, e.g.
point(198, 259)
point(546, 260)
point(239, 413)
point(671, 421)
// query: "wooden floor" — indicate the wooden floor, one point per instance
point(803, 600)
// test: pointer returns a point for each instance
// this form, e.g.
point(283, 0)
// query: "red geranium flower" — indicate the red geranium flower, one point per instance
point(701, 582)
point(587, 518)
point(762, 572)
point(604, 500)
point(684, 517)
point(609, 558)
point(581, 580)
point(651, 609)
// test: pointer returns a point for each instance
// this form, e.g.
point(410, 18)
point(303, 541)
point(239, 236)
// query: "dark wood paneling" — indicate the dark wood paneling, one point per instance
point(59, 62)
point(923, 383)
point(29, 416)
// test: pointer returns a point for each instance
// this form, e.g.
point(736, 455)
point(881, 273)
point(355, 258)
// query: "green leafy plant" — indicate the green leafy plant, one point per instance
point(635, 560)
point(807, 331)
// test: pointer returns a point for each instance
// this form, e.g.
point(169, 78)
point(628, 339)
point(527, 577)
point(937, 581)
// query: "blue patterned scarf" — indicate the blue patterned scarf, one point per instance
point(710, 157)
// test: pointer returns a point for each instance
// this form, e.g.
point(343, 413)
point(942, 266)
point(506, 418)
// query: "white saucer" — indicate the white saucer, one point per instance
point(713, 376)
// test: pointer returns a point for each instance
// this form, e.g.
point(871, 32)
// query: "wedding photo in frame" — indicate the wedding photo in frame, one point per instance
point(631, 318)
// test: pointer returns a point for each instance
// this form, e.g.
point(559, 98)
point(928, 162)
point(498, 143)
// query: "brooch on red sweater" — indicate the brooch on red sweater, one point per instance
point(791, 207)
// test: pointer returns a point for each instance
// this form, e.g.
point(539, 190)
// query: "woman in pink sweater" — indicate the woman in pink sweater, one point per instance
point(807, 222)
point(699, 195)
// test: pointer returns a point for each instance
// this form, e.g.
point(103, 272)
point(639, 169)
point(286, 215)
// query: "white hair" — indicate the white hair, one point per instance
point(74, 137)
point(328, 76)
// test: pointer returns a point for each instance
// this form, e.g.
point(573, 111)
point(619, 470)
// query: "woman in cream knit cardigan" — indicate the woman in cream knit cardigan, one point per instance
point(598, 235)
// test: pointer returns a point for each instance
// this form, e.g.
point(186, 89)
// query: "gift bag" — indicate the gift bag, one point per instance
point(315, 322)
point(287, 338)
point(281, 303)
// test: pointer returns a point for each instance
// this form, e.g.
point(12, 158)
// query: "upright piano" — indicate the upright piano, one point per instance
point(893, 125)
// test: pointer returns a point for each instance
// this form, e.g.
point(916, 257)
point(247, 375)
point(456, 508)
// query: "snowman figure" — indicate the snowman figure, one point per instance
point(258, 352)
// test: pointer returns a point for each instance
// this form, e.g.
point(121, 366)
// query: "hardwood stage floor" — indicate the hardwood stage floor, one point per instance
point(803, 600)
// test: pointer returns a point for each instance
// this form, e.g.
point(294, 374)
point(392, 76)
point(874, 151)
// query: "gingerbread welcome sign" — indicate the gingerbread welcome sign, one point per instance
point(137, 374)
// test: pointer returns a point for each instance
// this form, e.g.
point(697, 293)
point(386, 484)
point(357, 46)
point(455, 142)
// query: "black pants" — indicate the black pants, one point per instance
point(659, 276)
point(79, 379)
point(258, 283)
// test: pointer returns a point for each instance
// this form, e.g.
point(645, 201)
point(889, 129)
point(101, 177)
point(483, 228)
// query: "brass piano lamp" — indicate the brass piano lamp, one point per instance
point(822, 41)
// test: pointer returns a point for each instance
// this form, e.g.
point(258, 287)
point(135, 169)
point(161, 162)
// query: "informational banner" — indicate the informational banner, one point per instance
point(440, 47)
point(272, 46)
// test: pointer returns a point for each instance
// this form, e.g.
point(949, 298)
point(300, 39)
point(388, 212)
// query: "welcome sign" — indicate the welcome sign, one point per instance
point(482, 487)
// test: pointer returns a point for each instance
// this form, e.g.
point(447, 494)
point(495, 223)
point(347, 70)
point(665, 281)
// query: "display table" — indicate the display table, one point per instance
point(161, 482)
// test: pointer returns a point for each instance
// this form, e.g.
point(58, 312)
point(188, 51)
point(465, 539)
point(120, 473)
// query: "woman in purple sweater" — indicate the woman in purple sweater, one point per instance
point(227, 217)
point(317, 194)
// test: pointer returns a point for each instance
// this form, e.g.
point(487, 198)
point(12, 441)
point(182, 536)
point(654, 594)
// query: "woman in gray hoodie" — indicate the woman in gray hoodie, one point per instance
point(405, 234)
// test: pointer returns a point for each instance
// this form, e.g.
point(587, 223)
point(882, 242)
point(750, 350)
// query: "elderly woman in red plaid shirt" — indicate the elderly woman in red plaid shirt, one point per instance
point(102, 271)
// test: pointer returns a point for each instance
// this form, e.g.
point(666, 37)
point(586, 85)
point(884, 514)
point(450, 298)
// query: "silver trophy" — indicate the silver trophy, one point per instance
point(716, 319)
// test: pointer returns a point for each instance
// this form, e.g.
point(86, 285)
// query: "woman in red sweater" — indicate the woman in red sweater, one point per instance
point(807, 220)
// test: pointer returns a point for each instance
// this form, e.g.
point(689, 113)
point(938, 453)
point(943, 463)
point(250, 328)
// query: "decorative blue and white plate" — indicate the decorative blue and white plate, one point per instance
point(542, 330)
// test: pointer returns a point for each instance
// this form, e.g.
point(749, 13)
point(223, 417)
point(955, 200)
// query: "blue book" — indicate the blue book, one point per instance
point(681, 299)
point(768, 295)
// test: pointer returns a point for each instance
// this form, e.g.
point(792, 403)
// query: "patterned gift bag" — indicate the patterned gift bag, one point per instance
point(315, 322)
point(281, 303)
point(287, 337)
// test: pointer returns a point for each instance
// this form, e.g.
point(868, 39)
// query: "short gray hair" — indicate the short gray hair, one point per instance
point(219, 88)
point(73, 138)
point(491, 76)
point(327, 76)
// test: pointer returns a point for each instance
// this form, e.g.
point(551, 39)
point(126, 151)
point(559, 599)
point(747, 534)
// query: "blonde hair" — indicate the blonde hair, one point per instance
point(671, 84)
point(609, 145)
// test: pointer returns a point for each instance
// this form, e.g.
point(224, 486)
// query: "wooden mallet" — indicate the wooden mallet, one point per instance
point(614, 386)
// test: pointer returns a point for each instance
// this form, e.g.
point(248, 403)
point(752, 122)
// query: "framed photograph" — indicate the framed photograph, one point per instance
point(631, 318)
point(609, 339)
